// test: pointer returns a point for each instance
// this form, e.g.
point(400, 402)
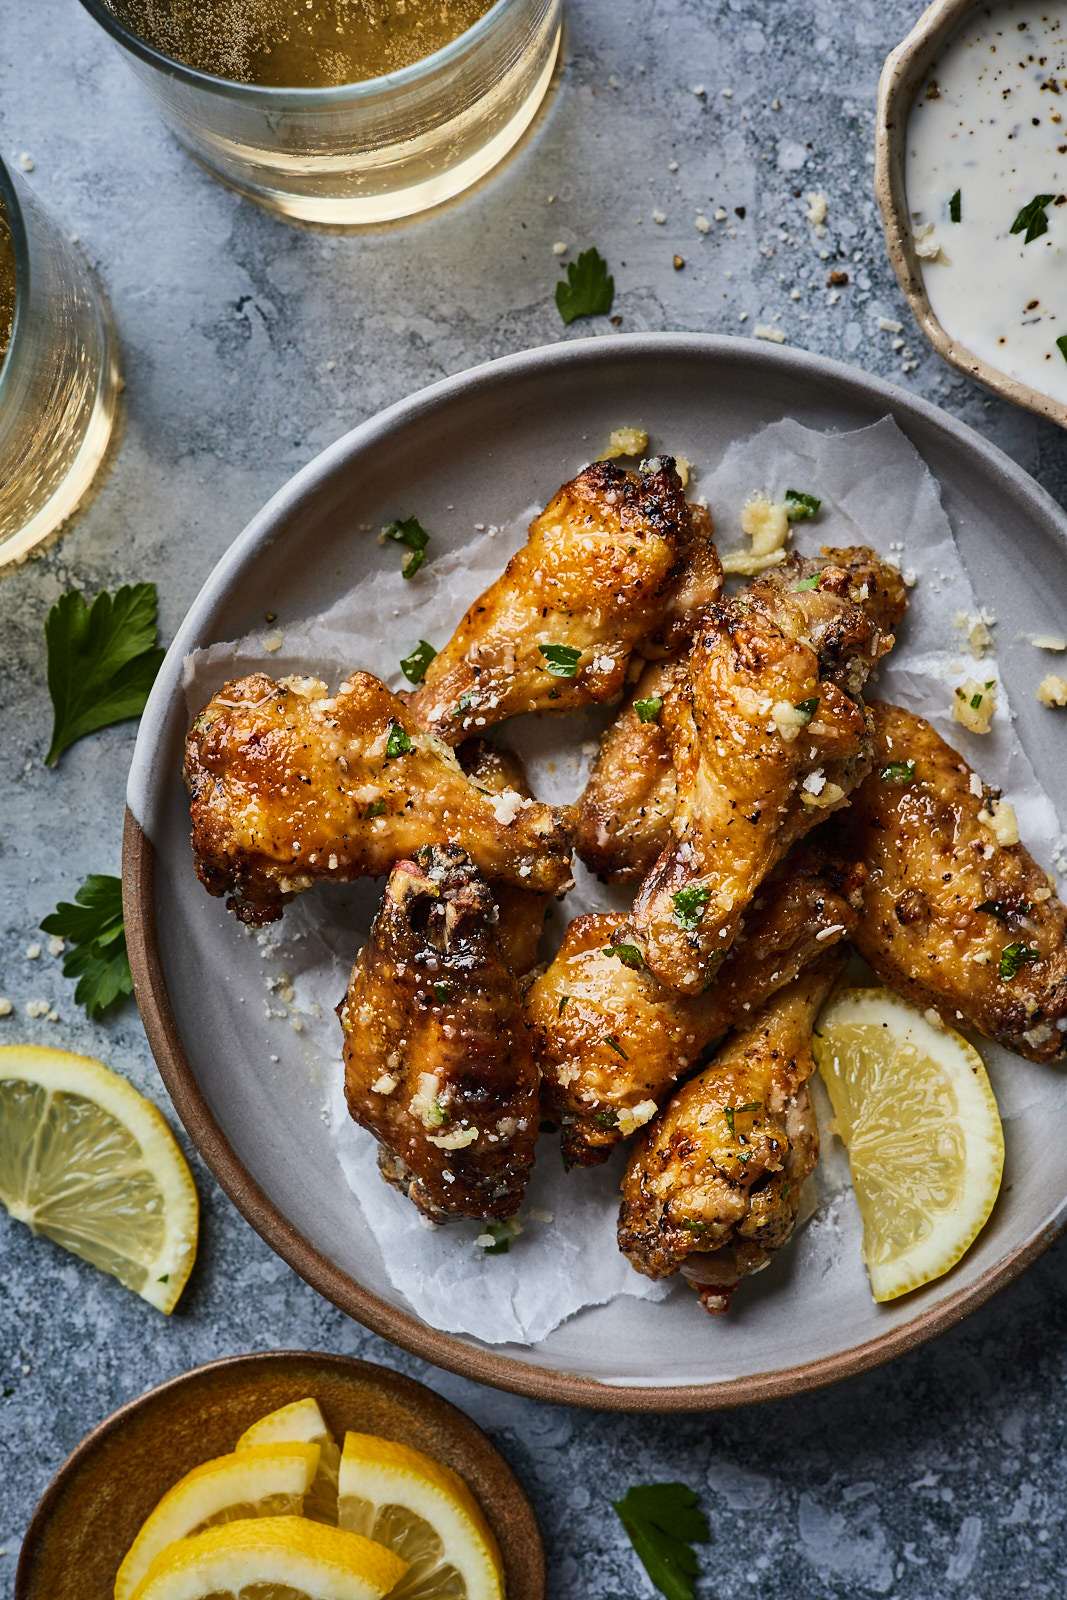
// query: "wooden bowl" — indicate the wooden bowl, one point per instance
point(902, 76)
point(92, 1509)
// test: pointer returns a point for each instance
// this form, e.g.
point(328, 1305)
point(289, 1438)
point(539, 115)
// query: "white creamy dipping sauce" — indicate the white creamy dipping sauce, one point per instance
point(987, 138)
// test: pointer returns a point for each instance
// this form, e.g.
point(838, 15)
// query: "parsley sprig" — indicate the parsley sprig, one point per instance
point(800, 506)
point(663, 1522)
point(94, 926)
point(689, 906)
point(409, 532)
point(414, 666)
point(561, 660)
point(1032, 217)
point(589, 290)
point(102, 661)
point(1014, 957)
point(649, 710)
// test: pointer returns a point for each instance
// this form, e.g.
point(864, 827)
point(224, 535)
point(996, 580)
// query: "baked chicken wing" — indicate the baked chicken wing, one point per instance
point(617, 563)
point(438, 1064)
point(713, 1185)
point(500, 771)
point(612, 1041)
point(291, 784)
point(957, 915)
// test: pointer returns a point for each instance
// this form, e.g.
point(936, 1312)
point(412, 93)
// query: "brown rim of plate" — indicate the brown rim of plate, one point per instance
point(505, 1502)
point(402, 1328)
point(903, 72)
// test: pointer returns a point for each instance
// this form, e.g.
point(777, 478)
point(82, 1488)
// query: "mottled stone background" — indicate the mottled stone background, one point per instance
point(247, 347)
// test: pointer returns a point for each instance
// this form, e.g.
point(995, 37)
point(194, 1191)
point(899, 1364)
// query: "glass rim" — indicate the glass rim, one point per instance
point(12, 207)
point(269, 94)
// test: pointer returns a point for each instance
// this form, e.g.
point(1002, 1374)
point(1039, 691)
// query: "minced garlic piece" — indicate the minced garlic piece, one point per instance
point(1052, 690)
point(767, 525)
point(816, 212)
point(626, 442)
point(830, 794)
point(927, 246)
point(633, 1117)
point(683, 466)
point(385, 1084)
point(1001, 822)
point(424, 1103)
point(457, 1139)
point(788, 720)
point(973, 705)
point(1048, 641)
point(977, 634)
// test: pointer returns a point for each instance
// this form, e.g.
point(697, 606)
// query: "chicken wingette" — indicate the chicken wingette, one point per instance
point(617, 564)
point(612, 1041)
point(291, 784)
point(500, 771)
point(957, 914)
point(438, 1064)
point(713, 1185)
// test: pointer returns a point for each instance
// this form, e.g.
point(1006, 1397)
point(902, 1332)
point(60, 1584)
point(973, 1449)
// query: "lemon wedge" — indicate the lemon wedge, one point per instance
point(267, 1480)
point(426, 1513)
point(272, 1558)
point(91, 1163)
point(302, 1422)
point(915, 1109)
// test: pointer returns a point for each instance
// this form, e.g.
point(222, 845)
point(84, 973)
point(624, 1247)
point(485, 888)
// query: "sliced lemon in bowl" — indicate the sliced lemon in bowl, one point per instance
point(261, 1482)
point(914, 1106)
point(272, 1558)
point(302, 1422)
point(88, 1161)
point(424, 1512)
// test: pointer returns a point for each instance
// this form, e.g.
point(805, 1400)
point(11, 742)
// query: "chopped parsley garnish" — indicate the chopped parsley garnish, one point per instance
point(409, 532)
point(693, 1225)
point(608, 1118)
point(375, 809)
point(613, 1044)
point(562, 1004)
point(102, 661)
point(436, 1115)
point(589, 290)
point(502, 1236)
point(628, 954)
point(808, 583)
point(808, 708)
point(996, 908)
point(898, 772)
point(414, 666)
point(1061, 345)
point(1014, 956)
point(94, 926)
point(444, 991)
point(561, 660)
point(800, 506)
point(976, 701)
point(663, 1522)
point(462, 705)
point(398, 743)
point(954, 207)
point(689, 906)
point(1032, 217)
point(163, 1278)
point(649, 710)
point(730, 1112)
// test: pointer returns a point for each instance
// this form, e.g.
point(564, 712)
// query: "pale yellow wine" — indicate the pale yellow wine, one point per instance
point(7, 283)
point(304, 44)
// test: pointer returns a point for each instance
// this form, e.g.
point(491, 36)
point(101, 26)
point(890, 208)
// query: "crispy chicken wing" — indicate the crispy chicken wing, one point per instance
point(626, 810)
point(612, 1041)
point(438, 1062)
point(290, 784)
point(617, 563)
point(763, 748)
point(713, 1185)
point(957, 915)
point(522, 912)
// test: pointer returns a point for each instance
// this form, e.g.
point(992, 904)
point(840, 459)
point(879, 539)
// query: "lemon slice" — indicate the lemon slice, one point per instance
point(915, 1109)
point(425, 1512)
point(267, 1480)
point(272, 1558)
point(302, 1422)
point(89, 1162)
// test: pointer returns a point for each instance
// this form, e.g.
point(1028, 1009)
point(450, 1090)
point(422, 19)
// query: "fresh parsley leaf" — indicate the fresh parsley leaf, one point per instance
point(1032, 217)
point(409, 532)
point(502, 1236)
point(628, 954)
point(589, 290)
point(93, 925)
point(561, 660)
point(649, 710)
point(102, 661)
point(398, 743)
point(613, 1044)
point(898, 772)
point(996, 908)
point(562, 1004)
point(1012, 957)
point(807, 708)
point(462, 705)
point(164, 1278)
point(414, 666)
point(375, 809)
point(663, 1522)
point(1061, 345)
point(800, 506)
point(808, 583)
point(443, 992)
point(608, 1118)
point(954, 207)
point(689, 906)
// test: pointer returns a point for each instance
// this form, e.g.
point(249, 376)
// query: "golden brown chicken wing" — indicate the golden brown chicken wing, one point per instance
point(291, 784)
point(957, 915)
point(713, 1185)
point(617, 563)
point(438, 1062)
point(763, 749)
point(521, 912)
point(612, 1041)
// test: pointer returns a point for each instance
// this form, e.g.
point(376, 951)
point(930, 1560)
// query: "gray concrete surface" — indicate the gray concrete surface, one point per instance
point(249, 345)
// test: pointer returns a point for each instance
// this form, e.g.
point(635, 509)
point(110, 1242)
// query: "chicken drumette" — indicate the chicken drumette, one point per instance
point(618, 563)
point(438, 1064)
point(499, 771)
point(713, 1185)
point(291, 784)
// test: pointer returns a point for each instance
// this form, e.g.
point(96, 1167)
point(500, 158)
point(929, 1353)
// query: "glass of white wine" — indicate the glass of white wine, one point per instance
point(342, 112)
point(59, 374)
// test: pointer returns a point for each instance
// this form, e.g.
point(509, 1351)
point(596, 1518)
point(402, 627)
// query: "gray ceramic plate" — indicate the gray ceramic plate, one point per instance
point(488, 443)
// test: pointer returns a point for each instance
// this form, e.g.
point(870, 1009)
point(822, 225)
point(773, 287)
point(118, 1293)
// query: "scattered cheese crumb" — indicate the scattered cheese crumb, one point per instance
point(888, 325)
point(1048, 641)
point(56, 945)
point(33, 952)
point(977, 787)
point(273, 641)
point(659, 217)
point(626, 442)
point(1002, 822)
point(559, 248)
point(38, 1008)
point(816, 212)
point(6, 1008)
point(703, 225)
point(789, 721)
point(506, 806)
point(536, 1214)
point(633, 1117)
point(26, 161)
point(815, 782)
point(1052, 690)
point(927, 246)
point(978, 637)
point(763, 330)
point(973, 705)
